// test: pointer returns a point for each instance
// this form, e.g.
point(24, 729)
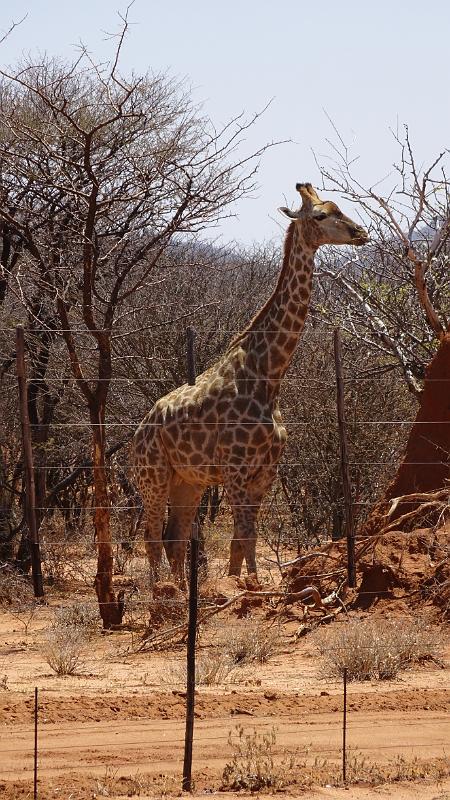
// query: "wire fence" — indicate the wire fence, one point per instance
point(37, 749)
point(331, 731)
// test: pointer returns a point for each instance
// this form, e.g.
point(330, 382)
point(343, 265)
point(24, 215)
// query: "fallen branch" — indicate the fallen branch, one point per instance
point(410, 515)
point(180, 630)
point(307, 628)
point(426, 497)
point(308, 593)
point(299, 559)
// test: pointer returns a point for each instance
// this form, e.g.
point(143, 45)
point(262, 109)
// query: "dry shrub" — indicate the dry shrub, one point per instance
point(360, 769)
point(16, 596)
point(64, 647)
point(374, 648)
point(112, 784)
point(251, 642)
point(211, 669)
point(167, 606)
point(252, 766)
point(83, 616)
point(66, 553)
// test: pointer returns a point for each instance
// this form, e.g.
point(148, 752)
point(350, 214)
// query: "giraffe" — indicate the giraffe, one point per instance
point(227, 428)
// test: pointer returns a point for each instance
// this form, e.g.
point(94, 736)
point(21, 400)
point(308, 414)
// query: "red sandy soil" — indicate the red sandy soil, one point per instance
point(410, 569)
point(117, 728)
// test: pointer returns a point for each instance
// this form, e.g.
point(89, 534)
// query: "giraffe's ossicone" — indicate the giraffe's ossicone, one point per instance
point(227, 429)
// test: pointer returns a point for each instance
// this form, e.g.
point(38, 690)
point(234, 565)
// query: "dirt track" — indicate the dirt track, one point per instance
point(88, 738)
point(155, 746)
point(116, 730)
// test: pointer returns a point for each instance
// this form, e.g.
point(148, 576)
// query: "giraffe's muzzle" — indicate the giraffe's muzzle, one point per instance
point(359, 235)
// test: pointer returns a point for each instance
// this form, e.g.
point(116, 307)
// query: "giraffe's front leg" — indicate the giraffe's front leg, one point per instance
point(236, 554)
point(245, 505)
point(243, 543)
point(245, 497)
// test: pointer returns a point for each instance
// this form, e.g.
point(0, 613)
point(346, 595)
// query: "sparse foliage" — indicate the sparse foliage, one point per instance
point(81, 615)
point(212, 668)
point(64, 648)
point(251, 642)
point(375, 648)
point(17, 598)
point(252, 766)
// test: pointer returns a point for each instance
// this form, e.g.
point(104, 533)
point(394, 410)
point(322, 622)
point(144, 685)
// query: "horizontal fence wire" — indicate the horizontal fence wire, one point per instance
point(158, 725)
point(35, 333)
point(292, 506)
point(238, 423)
point(136, 380)
point(137, 600)
point(224, 738)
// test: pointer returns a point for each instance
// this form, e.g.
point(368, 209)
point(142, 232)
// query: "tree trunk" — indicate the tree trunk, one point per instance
point(426, 464)
point(111, 610)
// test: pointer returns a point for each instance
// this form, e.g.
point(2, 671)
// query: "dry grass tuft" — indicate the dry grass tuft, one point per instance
point(64, 648)
point(251, 642)
point(212, 668)
point(373, 648)
point(252, 766)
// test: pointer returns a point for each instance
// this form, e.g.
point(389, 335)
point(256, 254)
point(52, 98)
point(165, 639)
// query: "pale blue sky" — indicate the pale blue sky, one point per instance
point(371, 65)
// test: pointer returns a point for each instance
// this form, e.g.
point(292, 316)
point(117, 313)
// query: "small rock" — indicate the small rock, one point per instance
point(324, 694)
point(270, 695)
point(244, 711)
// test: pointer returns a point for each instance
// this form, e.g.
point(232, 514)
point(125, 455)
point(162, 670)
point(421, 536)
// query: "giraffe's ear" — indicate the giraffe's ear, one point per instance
point(288, 213)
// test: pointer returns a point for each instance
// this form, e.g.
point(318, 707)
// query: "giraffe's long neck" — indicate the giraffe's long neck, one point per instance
point(271, 338)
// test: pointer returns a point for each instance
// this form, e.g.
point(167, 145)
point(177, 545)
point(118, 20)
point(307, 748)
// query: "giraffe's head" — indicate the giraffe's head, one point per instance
point(322, 222)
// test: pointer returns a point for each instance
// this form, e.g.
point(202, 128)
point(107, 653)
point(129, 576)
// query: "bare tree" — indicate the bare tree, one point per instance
point(100, 173)
point(397, 300)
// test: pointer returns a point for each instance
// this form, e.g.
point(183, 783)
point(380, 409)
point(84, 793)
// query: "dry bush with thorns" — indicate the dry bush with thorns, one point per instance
point(252, 766)
point(81, 615)
point(212, 668)
point(374, 648)
point(64, 648)
point(251, 642)
point(17, 598)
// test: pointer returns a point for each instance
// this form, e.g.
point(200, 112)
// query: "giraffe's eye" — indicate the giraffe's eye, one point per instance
point(320, 216)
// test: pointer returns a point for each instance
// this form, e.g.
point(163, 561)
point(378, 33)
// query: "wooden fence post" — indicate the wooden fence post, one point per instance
point(30, 494)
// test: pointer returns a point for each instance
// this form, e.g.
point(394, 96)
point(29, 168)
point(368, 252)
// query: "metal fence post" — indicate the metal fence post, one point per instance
point(30, 493)
point(344, 731)
point(35, 781)
point(346, 484)
point(193, 602)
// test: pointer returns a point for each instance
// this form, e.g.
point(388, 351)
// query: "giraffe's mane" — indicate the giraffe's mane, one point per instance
point(286, 253)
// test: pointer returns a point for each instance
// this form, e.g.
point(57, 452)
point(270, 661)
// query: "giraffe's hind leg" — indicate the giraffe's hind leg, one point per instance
point(153, 480)
point(184, 500)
